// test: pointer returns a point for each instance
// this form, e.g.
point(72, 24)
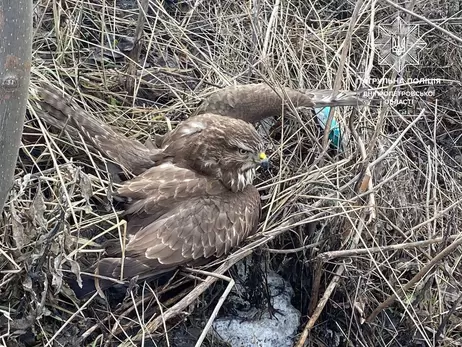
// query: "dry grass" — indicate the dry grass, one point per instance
point(373, 262)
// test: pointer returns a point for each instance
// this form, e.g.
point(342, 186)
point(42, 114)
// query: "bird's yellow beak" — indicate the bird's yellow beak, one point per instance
point(263, 160)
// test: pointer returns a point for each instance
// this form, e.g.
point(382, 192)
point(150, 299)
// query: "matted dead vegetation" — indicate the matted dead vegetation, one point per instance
point(368, 238)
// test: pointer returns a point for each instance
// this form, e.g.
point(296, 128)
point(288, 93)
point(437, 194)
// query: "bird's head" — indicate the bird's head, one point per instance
point(224, 148)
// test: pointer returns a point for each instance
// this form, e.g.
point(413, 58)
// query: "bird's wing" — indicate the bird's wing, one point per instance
point(62, 113)
point(199, 228)
point(254, 102)
point(198, 220)
point(162, 186)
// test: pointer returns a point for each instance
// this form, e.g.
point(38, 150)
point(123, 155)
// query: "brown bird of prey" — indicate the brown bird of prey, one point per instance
point(198, 201)
point(193, 198)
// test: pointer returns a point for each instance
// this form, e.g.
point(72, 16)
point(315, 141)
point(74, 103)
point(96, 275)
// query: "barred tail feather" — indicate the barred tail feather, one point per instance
point(63, 114)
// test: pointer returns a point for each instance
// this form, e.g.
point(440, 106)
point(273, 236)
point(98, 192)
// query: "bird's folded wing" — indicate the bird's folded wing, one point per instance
point(62, 113)
point(193, 230)
point(162, 186)
point(255, 102)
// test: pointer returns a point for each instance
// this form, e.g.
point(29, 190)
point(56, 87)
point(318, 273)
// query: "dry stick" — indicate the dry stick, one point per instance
point(189, 14)
point(48, 141)
point(316, 286)
point(365, 183)
point(397, 141)
point(429, 22)
point(66, 323)
point(292, 250)
point(134, 54)
point(118, 320)
point(401, 291)
point(329, 290)
point(11, 260)
point(370, 64)
point(188, 299)
point(269, 30)
point(124, 314)
point(164, 323)
point(340, 269)
point(338, 77)
point(381, 117)
point(444, 322)
point(220, 303)
point(356, 252)
point(436, 216)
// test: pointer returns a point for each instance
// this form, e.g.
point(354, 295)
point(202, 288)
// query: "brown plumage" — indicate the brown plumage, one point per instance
point(254, 102)
point(193, 197)
point(194, 202)
point(251, 103)
point(64, 114)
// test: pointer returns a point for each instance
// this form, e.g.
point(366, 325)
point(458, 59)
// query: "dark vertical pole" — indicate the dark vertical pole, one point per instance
point(15, 63)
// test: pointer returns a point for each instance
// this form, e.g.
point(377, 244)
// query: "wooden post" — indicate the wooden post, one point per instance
point(15, 63)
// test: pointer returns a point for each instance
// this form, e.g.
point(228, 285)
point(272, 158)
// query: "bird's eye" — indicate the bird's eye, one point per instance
point(242, 151)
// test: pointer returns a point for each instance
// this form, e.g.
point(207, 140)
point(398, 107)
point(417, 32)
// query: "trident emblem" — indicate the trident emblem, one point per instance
point(398, 45)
